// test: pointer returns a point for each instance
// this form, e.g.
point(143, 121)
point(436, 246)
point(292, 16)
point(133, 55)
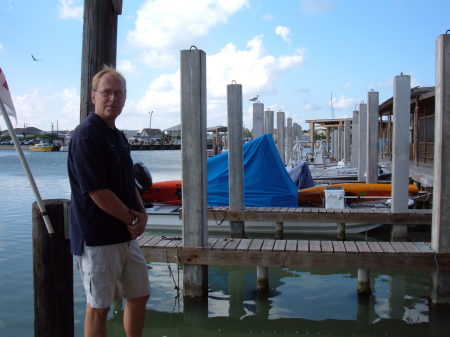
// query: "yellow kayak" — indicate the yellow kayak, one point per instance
point(314, 196)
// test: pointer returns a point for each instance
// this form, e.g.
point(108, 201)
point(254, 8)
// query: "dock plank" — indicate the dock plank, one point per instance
point(256, 245)
point(338, 246)
point(363, 247)
point(232, 244)
point(348, 254)
point(327, 246)
point(374, 247)
point(244, 244)
point(268, 245)
point(280, 246)
point(303, 246)
point(291, 245)
point(314, 246)
point(350, 247)
point(387, 247)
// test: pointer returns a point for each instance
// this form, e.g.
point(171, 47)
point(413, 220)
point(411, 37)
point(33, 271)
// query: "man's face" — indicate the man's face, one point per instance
point(109, 98)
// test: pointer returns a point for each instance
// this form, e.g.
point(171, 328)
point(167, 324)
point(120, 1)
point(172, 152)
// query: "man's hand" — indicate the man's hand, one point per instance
point(139, 223)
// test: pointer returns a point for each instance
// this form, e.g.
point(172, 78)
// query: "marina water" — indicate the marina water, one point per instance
point(314, 302)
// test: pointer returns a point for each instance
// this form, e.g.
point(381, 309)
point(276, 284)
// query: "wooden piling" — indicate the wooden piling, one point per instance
point(235, 156)
point(262, 279)
point(99, 45)
point(364, 282)
point(194, 168)
point(440, 233)
point(279, 230)
point(52, 272)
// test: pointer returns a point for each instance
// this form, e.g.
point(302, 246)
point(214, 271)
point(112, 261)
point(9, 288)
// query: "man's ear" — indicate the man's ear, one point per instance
point(93, 96)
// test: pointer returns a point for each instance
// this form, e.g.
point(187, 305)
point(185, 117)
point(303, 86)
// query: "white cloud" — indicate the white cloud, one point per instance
point(257, 71)
point(127, 68)
point(1, 47)
point(316, 6)
point(283, 32)
point(251, 67)
point(346, 85)
point(174, 25)
point(70, 9)
point(39, 110)
point(344, 102)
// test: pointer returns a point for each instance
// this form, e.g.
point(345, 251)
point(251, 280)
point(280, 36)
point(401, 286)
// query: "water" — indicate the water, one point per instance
point(300, 302)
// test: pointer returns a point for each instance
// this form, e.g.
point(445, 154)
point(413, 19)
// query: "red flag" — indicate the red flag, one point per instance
point(5, 95)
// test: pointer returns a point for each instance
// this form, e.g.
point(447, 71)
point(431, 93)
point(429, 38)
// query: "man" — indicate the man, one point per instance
point(107, 212)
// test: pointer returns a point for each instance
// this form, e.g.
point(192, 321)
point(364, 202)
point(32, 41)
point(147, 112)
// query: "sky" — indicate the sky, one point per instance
point(312, 59)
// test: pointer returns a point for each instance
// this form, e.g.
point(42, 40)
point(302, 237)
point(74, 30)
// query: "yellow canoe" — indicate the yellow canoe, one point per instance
point(315, 196)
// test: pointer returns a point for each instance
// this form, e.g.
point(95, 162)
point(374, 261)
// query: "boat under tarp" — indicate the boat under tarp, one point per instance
point(266, 181)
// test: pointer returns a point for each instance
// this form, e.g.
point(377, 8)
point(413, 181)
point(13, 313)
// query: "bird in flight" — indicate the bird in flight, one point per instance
point(34, 59)
point(254, 99)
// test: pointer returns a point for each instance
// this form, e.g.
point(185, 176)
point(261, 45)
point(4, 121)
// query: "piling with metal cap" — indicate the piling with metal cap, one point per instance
point(194, 168)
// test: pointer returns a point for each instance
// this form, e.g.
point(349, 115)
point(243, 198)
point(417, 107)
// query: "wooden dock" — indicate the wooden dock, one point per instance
point(365, 215)
point(304, 253)
point(297, 253)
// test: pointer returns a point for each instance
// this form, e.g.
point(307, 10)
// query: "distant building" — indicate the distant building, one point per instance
point(174, 134)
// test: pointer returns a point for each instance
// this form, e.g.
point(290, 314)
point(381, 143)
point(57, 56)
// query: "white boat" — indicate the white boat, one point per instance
point(166, 219)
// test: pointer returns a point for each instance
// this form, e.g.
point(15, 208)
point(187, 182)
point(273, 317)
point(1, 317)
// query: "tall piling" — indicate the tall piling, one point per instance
point(400, 145)
point(194, 168)
point(235, 156)
point(281, 136)
point(362, 142)
point(258, 119)
point(268, 121)
point(289, 141)
point(99, 45)
point(346, 141)
point(52, 272)
point(355, 139)
point(372, 138)
point(440, 233)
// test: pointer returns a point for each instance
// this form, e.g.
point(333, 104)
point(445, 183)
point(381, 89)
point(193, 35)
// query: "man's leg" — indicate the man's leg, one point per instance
point(95, 322)
point(134, 316)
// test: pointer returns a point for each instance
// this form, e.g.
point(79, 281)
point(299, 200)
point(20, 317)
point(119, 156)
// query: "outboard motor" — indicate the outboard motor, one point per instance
point(142, 177)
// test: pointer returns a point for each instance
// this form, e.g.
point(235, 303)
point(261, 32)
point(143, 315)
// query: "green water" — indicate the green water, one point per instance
point(300, 302)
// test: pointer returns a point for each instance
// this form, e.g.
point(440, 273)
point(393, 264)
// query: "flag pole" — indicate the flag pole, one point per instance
point(37, 195)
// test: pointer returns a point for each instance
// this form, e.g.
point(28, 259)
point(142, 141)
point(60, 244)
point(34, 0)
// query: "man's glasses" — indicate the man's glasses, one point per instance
point(108, 93)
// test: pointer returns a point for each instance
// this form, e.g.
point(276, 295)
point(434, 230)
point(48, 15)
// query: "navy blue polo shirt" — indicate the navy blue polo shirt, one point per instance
point(99, 158)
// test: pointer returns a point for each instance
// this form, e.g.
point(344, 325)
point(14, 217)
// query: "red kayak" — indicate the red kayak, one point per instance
point(164, 192)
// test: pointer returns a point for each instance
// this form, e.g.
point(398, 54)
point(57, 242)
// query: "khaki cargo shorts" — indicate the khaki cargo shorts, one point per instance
point(113, 272)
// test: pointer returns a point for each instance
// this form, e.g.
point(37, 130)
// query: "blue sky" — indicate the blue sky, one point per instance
point(293, 53)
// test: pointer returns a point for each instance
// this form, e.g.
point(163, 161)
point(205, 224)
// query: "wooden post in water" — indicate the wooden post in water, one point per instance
point(99, 44)
point(235, 156)
point(194, 168)
point(279, 230)
point(258, 119)
point(372, 138)
point(346, 141)
point(362, 142)
point(400, 153)
point(268, 121)
point(289, 141)
point(281, 136)
point(440, 233)
point(52, 272)
point(355, 139)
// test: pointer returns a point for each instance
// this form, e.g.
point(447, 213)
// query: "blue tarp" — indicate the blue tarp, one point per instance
point(266, 181)
point(301, 175)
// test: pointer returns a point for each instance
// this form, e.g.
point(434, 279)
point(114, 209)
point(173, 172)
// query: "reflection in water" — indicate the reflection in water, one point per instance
point(299, 303)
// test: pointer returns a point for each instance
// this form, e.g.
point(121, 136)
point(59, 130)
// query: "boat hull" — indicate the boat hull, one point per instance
point(166, 219)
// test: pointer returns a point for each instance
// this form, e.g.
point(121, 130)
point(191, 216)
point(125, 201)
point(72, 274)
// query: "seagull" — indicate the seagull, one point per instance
point(34, 59)
point(254, 99)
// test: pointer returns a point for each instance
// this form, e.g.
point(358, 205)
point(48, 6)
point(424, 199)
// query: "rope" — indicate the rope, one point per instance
point(179, 291)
